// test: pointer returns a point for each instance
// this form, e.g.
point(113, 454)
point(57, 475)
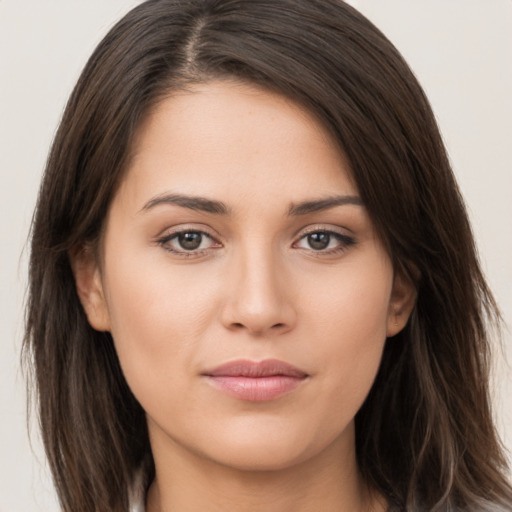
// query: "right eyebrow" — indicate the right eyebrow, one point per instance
point(192, 202)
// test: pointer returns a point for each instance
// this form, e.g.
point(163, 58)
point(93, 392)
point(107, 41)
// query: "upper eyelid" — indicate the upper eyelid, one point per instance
point(164, 242)
point(344, 235)
point(169, 233)
point(326, 228)
point(172, 235)
point(343, 238)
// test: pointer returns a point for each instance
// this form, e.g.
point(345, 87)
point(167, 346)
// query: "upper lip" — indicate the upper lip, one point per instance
point(255, 369)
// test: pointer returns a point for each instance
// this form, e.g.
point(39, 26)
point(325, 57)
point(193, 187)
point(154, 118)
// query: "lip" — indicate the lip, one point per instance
point(256, 381)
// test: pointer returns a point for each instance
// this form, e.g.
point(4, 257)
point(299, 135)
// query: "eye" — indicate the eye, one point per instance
point(187, 242)
point(325, 241)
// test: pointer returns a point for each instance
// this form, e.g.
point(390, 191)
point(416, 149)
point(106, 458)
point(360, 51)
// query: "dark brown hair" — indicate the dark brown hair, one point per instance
point(425, 436)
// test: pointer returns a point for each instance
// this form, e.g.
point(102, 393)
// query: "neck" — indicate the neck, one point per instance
point(330, 482)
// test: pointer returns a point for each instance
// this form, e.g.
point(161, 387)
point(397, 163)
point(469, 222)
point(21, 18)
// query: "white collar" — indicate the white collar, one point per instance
point(137, 493)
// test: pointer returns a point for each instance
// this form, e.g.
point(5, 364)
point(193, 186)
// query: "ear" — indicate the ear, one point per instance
point(89, 286)
point(403, 298)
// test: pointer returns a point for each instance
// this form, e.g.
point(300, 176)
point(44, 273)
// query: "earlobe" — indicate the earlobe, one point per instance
point(403, 298)
point(89, 287)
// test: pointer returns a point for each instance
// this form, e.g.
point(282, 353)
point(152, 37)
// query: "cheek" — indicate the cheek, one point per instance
point(354, 302)
point(157, 315)
point(349, 326)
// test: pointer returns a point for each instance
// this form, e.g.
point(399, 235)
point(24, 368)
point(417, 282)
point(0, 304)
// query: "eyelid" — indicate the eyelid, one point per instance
point(345, 240)
point(186, 227)
point(170, 233)
point(325, 228)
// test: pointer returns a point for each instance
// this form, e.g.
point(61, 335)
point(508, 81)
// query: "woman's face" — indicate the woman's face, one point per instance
point(247, 292)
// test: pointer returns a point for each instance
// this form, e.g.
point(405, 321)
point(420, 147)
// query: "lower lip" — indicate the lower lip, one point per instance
point(256, 389)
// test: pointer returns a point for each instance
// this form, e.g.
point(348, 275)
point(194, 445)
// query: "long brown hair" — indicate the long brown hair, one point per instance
point(425, 436)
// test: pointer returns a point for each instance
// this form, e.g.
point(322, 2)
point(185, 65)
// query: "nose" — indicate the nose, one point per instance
point(259, 297)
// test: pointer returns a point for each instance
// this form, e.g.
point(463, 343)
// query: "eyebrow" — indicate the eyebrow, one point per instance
point(192, 202)
point(219, 208)
point(323, 204)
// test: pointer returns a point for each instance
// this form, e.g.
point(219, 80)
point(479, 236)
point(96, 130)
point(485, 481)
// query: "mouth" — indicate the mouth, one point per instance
point(256, 381)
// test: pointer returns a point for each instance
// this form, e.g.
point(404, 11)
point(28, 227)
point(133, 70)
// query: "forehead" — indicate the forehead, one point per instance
point(223, 138)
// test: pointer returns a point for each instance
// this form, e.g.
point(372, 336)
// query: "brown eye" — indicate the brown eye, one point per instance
point(325, 242)
point(190, 240)
point(319, 241)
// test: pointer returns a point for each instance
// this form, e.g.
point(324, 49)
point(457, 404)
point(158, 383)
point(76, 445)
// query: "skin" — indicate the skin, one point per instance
point(254, 289)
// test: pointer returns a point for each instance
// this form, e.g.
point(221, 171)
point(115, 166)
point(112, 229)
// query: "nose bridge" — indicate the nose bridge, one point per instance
point(258, 299)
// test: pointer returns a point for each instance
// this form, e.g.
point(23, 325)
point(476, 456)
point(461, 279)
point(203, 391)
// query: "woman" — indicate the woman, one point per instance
point(253, 281)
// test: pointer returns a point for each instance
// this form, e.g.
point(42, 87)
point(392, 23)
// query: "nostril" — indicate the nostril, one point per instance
point(239, 325)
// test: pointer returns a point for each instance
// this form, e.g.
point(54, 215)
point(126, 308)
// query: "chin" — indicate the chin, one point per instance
point(270, 448)
point(257, 456)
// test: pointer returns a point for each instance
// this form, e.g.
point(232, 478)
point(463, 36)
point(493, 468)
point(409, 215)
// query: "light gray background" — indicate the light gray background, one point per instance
point(461, 51)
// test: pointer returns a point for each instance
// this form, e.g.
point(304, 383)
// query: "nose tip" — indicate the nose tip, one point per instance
point(259, 302)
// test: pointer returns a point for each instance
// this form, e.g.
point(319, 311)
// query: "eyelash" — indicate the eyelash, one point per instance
point(165, 240)
point(344, 242)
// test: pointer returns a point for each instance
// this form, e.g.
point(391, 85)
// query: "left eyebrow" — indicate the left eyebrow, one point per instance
point(323, 204)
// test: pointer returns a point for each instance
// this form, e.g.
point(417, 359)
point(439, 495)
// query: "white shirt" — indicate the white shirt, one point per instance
point(137, 494)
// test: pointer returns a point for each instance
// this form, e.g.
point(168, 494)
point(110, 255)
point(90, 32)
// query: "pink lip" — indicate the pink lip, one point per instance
point(256, 381)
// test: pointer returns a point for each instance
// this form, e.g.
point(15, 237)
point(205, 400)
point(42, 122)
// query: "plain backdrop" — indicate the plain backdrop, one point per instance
point(461, 51)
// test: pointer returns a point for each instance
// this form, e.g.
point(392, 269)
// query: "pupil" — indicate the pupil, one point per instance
point(190, 241)
point(319, 241)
